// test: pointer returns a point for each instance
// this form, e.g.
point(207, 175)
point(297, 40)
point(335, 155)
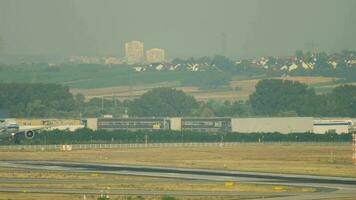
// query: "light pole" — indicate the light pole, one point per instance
point(354, 148)
point(332, 149)
point(102, 104)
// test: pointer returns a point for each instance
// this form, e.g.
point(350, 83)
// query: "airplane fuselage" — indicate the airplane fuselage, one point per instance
point(12, 130)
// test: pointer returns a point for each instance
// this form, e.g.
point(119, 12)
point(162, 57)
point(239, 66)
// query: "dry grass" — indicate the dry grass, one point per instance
point(164, 186)
point(297, 158)
point(25, 196)
point(221, 96)
point(341, 198)
point(17, 173)
point(130, 92)
point(120, 91)
point(22, 196)
point(247, 87)
point(310, 80)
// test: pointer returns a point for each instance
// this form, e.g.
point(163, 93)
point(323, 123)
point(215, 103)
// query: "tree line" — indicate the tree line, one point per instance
point(273, 97)
point(87, 136)
point(37, 100)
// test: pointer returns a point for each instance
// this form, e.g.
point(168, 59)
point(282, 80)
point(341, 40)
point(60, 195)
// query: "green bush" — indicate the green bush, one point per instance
point(168, 198)
point(103, 198)
point(87, 136)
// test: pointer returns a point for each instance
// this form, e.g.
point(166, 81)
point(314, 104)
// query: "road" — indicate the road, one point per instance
point(327, 187)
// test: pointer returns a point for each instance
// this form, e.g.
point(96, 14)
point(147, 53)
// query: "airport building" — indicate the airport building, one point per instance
point(177, 124)
point(282, 125)
point(272, 124)
point(155, 55)
point(333, 125)
point(134, 52)
point(133, 124)
point(214, 125)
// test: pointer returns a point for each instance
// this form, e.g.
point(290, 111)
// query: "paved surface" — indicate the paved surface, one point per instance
point(327, 187)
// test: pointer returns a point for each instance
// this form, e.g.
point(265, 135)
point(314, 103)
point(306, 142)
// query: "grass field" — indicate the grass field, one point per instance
point(106, 183)
point(315, 159)
point(97, 76)
point(298, 158)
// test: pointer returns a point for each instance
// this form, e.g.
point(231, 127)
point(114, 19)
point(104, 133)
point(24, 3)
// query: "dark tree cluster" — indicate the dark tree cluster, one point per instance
point(87, 136)
point(36, 100)
point(273, 97)
point(163, 102)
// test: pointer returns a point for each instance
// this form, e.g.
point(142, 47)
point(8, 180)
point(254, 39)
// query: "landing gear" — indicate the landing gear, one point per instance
point(16, 138)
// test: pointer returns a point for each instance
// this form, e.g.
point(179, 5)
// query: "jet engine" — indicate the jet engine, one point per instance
point(29, 134)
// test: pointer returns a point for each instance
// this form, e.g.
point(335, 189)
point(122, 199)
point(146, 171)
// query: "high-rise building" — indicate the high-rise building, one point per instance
point(134, 52)
point(155, 55)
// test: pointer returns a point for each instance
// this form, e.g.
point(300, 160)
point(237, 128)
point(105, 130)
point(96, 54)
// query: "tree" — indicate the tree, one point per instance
point(36, 108)
point(308, 57)
point(322, 60)
point(223, 62)
point(244, 65)
point(80, 100)
point(299, 54)
point(343, 101)
point(163, 102)
point(271, 61)
point(203, 111)
point(177, 61)
point(36, 99)
point(274, 96)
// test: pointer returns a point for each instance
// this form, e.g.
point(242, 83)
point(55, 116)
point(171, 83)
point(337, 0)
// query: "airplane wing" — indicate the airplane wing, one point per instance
point(29, 133)
point(35, 129)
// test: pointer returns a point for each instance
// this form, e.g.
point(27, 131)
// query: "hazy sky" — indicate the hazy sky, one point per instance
point(183, 27)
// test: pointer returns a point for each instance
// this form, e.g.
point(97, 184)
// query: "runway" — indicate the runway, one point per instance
point(327, 187)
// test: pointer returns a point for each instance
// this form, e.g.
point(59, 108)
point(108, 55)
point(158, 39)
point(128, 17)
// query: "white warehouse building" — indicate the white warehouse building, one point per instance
point(335, 125)
point(272, 124)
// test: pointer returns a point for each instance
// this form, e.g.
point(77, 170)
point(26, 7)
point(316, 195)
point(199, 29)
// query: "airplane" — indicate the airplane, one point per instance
point(12, 130)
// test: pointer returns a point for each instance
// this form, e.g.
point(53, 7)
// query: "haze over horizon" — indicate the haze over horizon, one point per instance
point(183, 28)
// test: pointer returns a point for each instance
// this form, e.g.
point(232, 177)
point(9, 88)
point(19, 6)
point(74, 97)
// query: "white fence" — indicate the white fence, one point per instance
point(107, 146)
point(134, 145)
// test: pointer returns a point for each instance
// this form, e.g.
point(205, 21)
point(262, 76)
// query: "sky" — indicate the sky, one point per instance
point(184, 28)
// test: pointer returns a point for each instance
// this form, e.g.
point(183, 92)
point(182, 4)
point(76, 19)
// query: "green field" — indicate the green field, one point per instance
point(99, 76)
